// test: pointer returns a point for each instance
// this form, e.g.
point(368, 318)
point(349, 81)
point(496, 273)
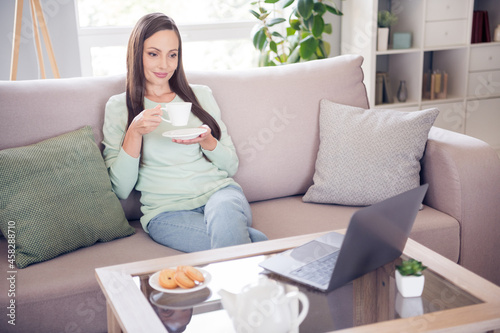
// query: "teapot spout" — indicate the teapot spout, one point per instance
point(228, 301)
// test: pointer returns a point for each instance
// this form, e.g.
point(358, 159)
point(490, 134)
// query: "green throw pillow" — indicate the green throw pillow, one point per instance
point(56, 197)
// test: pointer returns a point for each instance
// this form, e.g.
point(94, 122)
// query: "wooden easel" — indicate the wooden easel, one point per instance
point(38, 23)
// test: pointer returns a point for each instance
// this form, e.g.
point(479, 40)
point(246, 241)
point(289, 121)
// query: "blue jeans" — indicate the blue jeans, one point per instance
point(225, 220)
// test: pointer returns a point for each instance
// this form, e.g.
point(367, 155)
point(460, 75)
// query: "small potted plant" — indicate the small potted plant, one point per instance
point(409, 278)
point(384, 20)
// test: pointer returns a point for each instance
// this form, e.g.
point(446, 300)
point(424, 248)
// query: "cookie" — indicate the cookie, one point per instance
point(183, 280)
point(180, 268)
point(193, 273)
point(166, 279)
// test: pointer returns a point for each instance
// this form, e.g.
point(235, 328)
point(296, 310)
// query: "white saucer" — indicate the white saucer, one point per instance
point(155, 283)
point(185, 133)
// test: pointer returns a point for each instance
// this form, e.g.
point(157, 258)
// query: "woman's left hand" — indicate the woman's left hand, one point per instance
point(206, 140)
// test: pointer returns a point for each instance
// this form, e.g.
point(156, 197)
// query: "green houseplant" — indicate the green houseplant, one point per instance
point(384, 20)
point(305, 26)
point(409, 279)
point(411, 267)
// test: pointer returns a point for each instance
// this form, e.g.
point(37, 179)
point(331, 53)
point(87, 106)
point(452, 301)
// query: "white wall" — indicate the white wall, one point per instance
point(334, 38)
point(61, 21)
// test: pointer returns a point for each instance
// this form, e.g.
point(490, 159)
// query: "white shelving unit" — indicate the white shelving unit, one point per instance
point(441, 40)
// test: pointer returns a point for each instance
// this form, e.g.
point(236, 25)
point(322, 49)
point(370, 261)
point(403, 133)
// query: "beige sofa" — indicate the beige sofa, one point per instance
point(272, 116)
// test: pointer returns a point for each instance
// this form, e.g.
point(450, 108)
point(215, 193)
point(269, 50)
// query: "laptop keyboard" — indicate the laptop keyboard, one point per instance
point(318, 271)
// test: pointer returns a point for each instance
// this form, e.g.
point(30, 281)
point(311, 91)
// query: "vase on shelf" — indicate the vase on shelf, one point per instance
point(402, 91)
point(382, 39)
point(496, 36)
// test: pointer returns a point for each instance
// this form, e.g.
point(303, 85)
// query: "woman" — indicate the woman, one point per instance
point(189, 200)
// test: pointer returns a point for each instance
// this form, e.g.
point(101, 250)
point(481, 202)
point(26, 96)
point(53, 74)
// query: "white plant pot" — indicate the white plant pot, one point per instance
point(410, 286)
point(382, 39)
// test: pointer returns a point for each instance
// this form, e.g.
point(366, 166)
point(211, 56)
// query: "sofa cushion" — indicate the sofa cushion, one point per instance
point(62, 294)
point(432, 228)
point(366, 156)
point(56, 197)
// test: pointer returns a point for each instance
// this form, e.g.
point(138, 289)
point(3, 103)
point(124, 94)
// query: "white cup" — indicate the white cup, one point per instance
point(178, 113)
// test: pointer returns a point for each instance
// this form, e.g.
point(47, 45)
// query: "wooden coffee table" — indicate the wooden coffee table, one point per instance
point(454, 300)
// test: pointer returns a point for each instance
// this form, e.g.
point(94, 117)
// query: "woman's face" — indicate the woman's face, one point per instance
point(160, 57)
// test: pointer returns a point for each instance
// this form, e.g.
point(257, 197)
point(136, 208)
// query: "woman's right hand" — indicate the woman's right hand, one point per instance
point(146, 121)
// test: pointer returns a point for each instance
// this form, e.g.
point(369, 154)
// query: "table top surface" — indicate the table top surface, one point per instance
point(453, 297)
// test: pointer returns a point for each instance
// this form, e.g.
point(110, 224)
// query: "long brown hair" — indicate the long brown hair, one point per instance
point(147, 26)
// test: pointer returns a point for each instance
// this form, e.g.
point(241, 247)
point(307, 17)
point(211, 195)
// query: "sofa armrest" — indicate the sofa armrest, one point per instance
point(464, 182)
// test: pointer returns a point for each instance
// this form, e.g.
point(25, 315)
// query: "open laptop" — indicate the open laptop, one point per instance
point(376, 235)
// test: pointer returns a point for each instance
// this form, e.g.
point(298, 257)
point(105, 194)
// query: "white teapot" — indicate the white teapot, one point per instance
point(264, 307)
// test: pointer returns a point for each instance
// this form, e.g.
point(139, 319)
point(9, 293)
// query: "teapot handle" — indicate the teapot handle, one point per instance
point(305, 306)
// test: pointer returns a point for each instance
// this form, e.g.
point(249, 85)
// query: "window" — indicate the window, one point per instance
point(216, 34)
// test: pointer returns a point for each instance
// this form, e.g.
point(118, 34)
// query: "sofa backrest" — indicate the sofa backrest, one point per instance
point(272, 116)
point(35, 110)
point(271, 113)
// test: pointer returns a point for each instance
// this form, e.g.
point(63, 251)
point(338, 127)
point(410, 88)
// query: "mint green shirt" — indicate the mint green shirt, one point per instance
point(170, 176)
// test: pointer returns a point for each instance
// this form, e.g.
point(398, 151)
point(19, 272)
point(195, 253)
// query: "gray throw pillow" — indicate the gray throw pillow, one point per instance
point(366, 156)
point(56, 197)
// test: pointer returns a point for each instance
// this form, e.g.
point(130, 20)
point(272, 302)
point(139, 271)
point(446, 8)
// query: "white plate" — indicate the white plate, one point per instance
point(185, 133)
point(155, 283)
